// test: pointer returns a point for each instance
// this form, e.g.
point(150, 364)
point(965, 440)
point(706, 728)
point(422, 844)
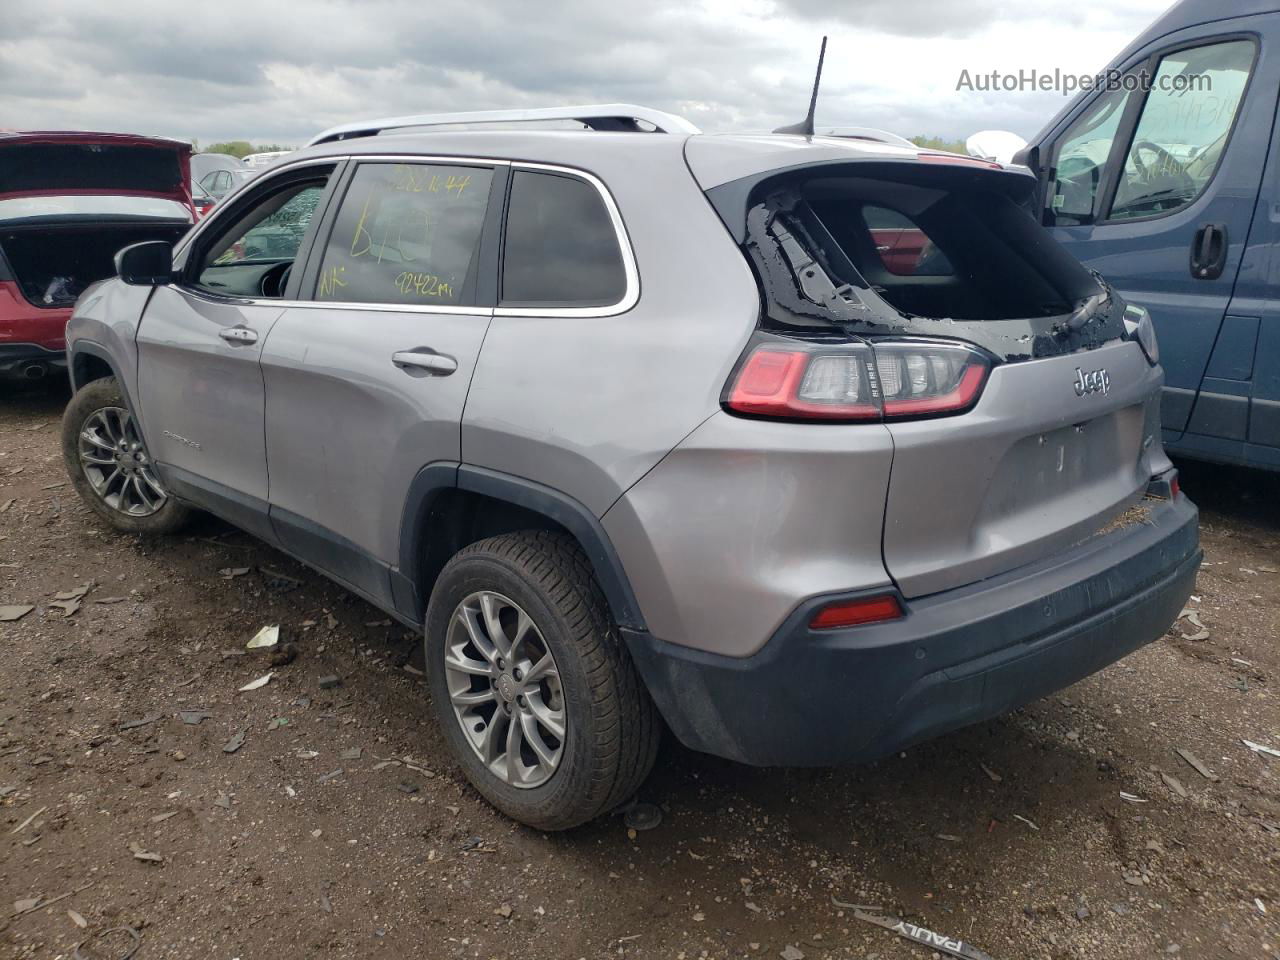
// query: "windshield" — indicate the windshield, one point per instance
point(110, 207)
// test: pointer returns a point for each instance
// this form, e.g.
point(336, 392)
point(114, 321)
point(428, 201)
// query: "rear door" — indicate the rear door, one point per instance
point(201, 338)
point(366, 380)
point(1153, 184)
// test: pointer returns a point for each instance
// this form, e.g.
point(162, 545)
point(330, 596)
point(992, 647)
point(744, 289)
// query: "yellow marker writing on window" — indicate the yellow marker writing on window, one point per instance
point(423, 284)
point(331, 280)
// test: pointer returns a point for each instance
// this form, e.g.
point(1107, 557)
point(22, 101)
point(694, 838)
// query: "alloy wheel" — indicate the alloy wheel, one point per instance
point(504, 687)
point(116, 463)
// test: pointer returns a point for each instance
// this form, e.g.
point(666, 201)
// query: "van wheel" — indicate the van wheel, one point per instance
point(536, 694)
point(109, 465)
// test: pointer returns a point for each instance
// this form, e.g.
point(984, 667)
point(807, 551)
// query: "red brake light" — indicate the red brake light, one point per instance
point(857, 381)
point(1175, 487)
point(853, 613)
point(772, 383)
point(960, 159)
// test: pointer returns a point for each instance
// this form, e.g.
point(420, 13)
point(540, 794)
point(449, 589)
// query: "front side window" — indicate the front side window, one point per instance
point(407, 233)
point(1183, 130)
point(561, 248)
point(1082, 156)
point(253, 256)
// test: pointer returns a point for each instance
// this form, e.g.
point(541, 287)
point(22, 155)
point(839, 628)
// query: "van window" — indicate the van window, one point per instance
point(1082, 156)
point(1183, 130)
point(561, 249)
point(406, 233)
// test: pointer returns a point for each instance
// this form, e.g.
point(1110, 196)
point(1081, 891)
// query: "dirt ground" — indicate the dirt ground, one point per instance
point(305, 841)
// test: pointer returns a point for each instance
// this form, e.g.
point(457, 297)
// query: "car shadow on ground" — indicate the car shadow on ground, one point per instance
point(1237, 494)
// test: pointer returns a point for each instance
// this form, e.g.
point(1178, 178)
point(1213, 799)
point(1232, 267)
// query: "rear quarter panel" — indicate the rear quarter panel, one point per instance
point(747, 518)
point(587, 405)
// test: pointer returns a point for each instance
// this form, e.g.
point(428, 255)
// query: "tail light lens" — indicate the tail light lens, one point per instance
point(890, 380)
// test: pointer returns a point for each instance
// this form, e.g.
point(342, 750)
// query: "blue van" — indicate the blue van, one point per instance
point(1167, 182)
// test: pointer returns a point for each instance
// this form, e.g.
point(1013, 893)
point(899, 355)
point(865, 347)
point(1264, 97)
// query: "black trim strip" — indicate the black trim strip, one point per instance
point(575, 518)
point(336, 557)
point(248, 513)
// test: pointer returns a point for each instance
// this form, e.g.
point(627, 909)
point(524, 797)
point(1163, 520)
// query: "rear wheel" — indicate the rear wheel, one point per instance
point(534, 691)
point(109, 464)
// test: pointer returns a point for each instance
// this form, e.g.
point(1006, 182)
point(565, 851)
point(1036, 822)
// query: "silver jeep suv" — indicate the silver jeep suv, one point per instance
point(807, 448)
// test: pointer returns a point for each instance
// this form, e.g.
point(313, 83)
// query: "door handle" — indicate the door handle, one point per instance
point(436, 363)
point(237, 335)
point(1209, 251)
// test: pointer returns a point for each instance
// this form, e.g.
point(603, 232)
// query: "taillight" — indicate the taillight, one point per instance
point(792, 380)
point(854, 613)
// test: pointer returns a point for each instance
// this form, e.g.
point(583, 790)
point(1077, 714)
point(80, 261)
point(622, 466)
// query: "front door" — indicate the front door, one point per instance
point(1153, 184)
point(200, 342)
point(365, 384)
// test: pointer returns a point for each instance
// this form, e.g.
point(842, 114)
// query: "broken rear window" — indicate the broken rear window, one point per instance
point(887, 249)
point(960, 253)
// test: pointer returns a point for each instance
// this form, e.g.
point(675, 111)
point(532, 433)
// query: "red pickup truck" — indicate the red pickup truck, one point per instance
point(68, 202)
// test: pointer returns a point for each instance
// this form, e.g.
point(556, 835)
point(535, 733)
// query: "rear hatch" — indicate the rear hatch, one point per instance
point(44, 164)
point(897, 254)
point(70, 201)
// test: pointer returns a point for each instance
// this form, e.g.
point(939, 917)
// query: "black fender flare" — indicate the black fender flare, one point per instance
point(435, 479)
point(91, 348)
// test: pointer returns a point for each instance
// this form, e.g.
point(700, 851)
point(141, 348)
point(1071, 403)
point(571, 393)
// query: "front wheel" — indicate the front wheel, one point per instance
point(533, 688)
point(109, 464)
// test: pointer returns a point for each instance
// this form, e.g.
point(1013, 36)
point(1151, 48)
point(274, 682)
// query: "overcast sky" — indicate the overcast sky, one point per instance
point(272, 71)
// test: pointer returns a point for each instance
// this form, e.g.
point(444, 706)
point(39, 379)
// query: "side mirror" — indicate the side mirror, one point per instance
point(997, 145)
point(146, 264)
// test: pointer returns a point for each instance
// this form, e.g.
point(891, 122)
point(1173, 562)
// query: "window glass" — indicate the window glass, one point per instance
point(561, 247)
point(1183, 128)
point(406, 233)
point(1082, 155)
point(217, 182)
point(253, 256)
point(904, 248)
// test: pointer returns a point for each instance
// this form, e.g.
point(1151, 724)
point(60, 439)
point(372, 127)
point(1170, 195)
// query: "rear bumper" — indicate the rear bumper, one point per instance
point(810, 698)
point(30, 361)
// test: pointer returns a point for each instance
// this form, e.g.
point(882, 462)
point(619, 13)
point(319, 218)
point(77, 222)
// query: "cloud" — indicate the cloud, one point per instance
point(245, 69)
point(966, 18)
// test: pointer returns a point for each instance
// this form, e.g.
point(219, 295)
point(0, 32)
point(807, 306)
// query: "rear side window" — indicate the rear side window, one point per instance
point(407, 233)
point(561, 248)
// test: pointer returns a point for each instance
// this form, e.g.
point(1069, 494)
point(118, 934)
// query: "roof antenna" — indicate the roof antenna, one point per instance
point(805, 127)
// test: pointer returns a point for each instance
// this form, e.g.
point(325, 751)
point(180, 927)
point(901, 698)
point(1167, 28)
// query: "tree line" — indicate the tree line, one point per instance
point(238, 148)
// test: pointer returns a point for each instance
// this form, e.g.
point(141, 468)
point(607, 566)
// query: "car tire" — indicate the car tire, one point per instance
point(98, 410)
point(611, 728)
